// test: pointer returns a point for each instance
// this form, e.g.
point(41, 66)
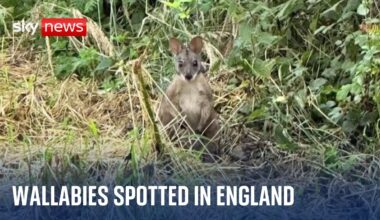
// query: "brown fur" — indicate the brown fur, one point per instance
point(191, 98)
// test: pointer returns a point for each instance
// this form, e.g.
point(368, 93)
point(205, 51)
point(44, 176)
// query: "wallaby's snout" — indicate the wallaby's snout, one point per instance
point(188, 76)
point(187, 57)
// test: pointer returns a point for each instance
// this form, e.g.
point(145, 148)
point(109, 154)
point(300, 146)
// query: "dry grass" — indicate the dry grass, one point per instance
point(73, 119)
point(54, 131)
point(40, 115)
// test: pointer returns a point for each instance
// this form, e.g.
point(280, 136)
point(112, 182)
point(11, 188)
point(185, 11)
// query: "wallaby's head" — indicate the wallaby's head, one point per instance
point(187, 57)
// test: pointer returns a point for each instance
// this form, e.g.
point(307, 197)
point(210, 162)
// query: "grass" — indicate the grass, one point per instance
point(70, 127)
point(71, 131)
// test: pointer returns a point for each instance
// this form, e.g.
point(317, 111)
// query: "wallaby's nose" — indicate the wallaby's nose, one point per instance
point(188, 76)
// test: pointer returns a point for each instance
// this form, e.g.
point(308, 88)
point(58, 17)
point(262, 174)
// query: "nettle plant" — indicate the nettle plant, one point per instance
point(313, 66)
point(358, 96)
point(353, 76)
point(350, 83)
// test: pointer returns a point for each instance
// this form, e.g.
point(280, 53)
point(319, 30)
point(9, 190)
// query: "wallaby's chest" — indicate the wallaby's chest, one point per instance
point(191, 98)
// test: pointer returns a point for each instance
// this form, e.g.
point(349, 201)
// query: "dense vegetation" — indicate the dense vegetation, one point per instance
point(296, 83)
point(304, 73)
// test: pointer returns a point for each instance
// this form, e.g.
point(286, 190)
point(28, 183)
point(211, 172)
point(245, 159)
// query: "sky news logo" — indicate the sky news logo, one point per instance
point(54, 27)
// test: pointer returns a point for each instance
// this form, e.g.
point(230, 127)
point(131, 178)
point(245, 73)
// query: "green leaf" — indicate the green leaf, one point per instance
point(206, 6)
point(281, 99)
point(351, 5)
point(331, 156)
point(329, 73)
point(93, 128)
point(90, 6)
point(332, 8)
point(299, 70)
point(282, 139)
point(266, 38)
point(262, 68)
point(317, 84)
point(245, 109)
point(320, 29)
point(245, 34)
point(343, 92)
point(362, 10)
point(105, 63)
point(324, 29)
point(336, 114)
point(301, 98)
point(183, 15)
point(175, 4)
point(348, 126)
point(258, 113)
point(289, 7)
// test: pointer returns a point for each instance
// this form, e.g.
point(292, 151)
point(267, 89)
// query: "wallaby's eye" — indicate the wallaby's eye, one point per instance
point(180, 64)
point(195, 63)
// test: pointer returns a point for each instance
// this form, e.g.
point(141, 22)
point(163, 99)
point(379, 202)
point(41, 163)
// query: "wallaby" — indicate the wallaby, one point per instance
point(190, 93)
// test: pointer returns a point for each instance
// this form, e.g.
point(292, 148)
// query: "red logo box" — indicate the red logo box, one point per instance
point(63, 27)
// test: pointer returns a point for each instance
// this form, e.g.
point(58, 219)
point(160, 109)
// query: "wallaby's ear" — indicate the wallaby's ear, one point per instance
point(175, 45)
point(196, 44)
